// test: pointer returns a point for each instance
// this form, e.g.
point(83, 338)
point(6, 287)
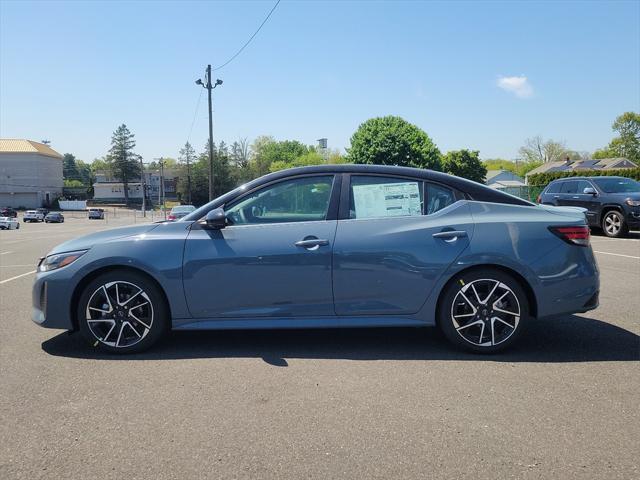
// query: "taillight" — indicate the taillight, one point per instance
point(171, 217)
point(576, 235)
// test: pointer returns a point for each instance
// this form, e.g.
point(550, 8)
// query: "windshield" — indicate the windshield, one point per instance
point(617, 185)
point(183, 209)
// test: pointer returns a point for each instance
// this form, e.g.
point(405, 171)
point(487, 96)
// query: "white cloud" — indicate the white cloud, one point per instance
point(519, 86)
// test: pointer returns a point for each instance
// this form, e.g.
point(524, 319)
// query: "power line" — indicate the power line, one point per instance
point(250, 38)
point(195, 114)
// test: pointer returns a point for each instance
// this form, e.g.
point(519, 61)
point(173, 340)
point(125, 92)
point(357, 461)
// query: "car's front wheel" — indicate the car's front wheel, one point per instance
point(483, 310)
point(122, 312)
point(613, 224)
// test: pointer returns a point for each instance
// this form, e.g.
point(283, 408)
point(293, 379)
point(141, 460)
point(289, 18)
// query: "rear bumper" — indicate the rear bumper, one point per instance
point(568, 281)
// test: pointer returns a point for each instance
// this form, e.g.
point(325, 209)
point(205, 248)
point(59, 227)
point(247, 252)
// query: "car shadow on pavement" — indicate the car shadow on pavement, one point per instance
point(564, 339)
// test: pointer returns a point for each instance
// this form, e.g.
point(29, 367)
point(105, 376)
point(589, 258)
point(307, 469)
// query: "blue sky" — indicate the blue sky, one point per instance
point(479, 75)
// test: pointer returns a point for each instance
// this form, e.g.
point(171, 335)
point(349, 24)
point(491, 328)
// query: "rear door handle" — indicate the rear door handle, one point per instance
point(450, 235)
point(311, 243)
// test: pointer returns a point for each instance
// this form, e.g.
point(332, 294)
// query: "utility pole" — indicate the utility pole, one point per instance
point(207, 84)
point(189, 177)
point(144, 203)
point(164, 211)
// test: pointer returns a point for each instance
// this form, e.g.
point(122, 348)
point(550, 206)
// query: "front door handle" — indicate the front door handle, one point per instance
point(450, 235)
point(311, 243)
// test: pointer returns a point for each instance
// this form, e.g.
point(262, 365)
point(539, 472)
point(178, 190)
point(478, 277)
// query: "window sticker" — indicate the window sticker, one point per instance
point(387, 200)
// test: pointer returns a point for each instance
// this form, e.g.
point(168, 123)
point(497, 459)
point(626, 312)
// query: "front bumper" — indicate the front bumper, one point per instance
point(51, 300)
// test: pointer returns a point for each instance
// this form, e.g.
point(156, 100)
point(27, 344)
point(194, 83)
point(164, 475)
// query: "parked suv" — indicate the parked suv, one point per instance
point(612, 203)
point(8, 212)
point(33, 216)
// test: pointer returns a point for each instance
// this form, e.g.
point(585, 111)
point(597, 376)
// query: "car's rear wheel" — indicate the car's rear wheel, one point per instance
point(122, 312)
point(613, 224)
point(483, 310)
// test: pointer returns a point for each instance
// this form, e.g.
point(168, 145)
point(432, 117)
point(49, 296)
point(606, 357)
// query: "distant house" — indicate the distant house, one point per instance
point(107, 189)
point(502, 177)
point(593, 164)
point(30, 173)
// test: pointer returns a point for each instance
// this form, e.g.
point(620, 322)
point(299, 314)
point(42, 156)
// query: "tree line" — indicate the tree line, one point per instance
point(389, 140)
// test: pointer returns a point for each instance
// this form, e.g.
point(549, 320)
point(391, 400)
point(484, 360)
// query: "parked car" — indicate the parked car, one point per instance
point(180, 211)
point(54, 217)
point(43, 211)
point(33, 216)
point(95, 214)
point(328, 246)
point(8, 212)
point(612, 203)
point(9, 223)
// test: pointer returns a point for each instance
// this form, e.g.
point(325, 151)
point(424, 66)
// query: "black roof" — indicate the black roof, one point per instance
point(476, 191)
point(587, 177)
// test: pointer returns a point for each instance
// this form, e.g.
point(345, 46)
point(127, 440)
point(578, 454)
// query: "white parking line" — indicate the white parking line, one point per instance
point(5, 253)
point(16, 266)
point(617, 254)
point(16, 277)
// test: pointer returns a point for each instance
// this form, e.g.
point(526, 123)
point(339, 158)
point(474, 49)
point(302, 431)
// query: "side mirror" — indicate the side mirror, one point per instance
point(216, 219)
point(590, 191)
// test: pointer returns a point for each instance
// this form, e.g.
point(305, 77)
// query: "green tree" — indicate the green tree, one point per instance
point(465, 164)
point(393, 141)
point(310, 158)
point(266, 151)
point(123, 163)
point(627, 144)
point(186, 159)
point(69, 167)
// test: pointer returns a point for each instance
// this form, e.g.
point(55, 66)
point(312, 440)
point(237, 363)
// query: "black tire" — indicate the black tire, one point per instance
point(614, 225)
point(487, 330)
point(148, 328)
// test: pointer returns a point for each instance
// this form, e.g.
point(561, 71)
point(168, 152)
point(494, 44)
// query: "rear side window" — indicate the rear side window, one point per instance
point(438, 197)
point(554, 188)
point(570, 187)
point(379, 197)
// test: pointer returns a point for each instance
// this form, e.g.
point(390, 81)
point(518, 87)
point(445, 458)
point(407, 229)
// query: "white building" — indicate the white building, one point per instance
point(30, 173)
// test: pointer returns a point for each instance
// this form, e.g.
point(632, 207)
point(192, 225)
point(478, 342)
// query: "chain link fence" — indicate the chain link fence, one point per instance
point(526, 192)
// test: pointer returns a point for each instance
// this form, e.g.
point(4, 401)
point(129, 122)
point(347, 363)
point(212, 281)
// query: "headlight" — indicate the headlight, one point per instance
point(59, 260)
point(633, 203)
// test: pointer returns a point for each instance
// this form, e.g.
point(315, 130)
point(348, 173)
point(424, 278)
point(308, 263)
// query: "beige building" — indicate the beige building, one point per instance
point(30, 173)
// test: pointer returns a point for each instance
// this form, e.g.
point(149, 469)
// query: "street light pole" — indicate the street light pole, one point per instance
point(207, 84)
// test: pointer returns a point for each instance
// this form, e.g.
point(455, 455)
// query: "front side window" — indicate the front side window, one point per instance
point(582, 184)
point(302, 199)
point(379, 197)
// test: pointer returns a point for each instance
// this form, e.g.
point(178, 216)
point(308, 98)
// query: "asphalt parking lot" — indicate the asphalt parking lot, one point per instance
point(376, 403)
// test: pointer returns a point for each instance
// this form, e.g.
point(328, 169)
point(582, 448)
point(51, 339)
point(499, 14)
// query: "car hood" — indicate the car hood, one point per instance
point(87, 241)
point(625, 195)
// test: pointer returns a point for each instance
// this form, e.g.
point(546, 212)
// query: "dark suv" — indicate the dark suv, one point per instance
point(8, 212)
point(612, 203)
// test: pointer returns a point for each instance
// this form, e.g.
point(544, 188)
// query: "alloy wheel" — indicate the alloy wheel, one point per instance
point(485, 312)
point(612, 224)
point(119, 314)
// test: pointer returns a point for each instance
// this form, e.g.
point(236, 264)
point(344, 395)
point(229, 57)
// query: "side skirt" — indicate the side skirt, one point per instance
point(307, 322)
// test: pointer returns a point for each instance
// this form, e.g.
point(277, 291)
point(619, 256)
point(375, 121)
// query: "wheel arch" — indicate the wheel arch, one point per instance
point(522, 281)
point(607, 208)
point(89, 277)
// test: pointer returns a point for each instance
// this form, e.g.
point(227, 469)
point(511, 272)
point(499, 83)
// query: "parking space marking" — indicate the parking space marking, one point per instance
point(16, 266)
point(5, 253)
point(616, 254)
point(17, 277)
